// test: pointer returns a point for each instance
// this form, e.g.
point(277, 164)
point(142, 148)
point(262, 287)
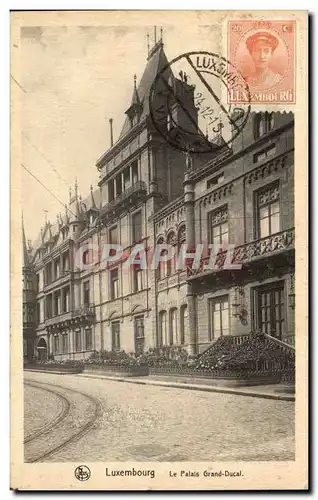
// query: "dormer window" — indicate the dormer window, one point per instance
point(263, 124)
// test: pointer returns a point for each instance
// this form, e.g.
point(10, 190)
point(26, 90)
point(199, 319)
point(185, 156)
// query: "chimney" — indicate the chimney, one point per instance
point(111, 132)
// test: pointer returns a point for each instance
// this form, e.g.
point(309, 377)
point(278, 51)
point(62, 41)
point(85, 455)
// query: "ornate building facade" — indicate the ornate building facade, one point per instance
point(243, 195)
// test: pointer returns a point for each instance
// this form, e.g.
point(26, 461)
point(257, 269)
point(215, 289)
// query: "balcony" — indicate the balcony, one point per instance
point(84, 311)
point(84, 314)
point(124, 200)
point(253, 252)
point(64, 277)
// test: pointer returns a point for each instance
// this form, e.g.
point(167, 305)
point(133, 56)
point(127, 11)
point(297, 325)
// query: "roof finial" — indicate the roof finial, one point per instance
point(45, 216)
point(135, 81)
point(155, 29)
point(76, 186)
point(148, 43)
point(161, 31)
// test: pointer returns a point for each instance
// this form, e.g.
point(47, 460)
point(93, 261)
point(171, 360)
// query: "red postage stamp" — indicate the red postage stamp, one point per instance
point(264, 53)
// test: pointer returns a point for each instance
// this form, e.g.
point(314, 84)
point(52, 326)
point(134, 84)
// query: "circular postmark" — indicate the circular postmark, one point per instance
point(82, 473)
point(190, 102)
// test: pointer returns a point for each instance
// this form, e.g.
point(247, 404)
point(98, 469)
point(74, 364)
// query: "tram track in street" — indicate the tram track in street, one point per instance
point(50, 439)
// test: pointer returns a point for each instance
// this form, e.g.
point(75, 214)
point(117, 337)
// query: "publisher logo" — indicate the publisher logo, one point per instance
point(82, 473)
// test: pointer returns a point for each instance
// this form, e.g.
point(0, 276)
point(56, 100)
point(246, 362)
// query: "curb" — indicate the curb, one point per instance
point(194, 387)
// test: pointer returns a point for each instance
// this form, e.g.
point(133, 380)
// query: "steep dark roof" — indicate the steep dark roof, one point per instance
point(157, 60)
point(25, 254)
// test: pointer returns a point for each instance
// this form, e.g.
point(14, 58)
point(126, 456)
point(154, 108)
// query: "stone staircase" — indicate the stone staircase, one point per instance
point(250, 356)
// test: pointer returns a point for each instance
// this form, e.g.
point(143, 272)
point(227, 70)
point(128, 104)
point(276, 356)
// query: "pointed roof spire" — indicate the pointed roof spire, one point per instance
point(49, 230)
point(92, 198)
point(148, 43)
point(25, 254)
point(67, 217)
point(135, 98)
point(75, 187)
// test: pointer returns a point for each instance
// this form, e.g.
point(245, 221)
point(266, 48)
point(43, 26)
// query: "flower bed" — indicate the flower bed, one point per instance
point(62, 367)
point(116, 370)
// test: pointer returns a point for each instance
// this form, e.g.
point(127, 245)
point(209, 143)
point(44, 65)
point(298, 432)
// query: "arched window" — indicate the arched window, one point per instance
point(162, 328)
point(181, 241)
point(264, 123)
point(160, 271)
point(170, 264)
point(183, 323)
point(173, 327)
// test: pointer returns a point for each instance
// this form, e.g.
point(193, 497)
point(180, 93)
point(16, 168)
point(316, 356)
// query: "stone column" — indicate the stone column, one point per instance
point(78, 295)
point(70, 340)
point(152, 171)
point(190, 241)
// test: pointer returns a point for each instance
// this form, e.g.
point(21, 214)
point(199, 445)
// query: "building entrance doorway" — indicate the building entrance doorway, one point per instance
point(271, 310)
point(42, 350)
point(139, 335)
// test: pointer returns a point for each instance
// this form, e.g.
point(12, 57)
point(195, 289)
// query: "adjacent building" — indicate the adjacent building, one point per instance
point(150, 194)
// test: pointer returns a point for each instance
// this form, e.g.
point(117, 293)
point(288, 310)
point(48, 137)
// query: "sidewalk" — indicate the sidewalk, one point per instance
point(272, 391)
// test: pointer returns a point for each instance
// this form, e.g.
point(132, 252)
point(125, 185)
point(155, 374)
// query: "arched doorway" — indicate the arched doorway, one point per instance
point(42, 350)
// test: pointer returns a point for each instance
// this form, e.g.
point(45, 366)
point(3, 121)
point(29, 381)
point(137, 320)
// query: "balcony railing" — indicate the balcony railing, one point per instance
point(137, 188)
point(63, 276)
point(84, 310)
point(255, 250)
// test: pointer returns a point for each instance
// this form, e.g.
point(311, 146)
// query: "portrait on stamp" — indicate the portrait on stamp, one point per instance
point(264, 54)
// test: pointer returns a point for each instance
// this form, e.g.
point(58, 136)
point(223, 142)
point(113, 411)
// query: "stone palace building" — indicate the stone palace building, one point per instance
point(150, 193)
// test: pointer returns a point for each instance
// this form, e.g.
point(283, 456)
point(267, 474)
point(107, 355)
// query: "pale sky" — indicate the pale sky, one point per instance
point(75, 79)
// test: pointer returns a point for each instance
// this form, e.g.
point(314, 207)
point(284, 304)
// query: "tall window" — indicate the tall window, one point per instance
point(65, 342)
point(66, 261)
point(78, 340)
point(183, 323)
point(126, 178)
point(134, 171)
point(56, 344)
point(173, 327)
point(114, 284)
point(119, 185)
point(264, 123)
point(57, 303)
point(219, 310)
point(57, 268)
point(88, 339)
point(162, 328)
point(86, 290)
point(115, 335)
point(111, 191)
point(86, 258)
point(170, 264)
point(181, 245)
point(66, 299)
point(136, 221)
point(219, 226)
point(138, 278)
point(268, 211)
point(270, 301)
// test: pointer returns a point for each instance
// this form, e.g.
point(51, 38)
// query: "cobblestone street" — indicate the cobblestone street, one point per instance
point(148, 423)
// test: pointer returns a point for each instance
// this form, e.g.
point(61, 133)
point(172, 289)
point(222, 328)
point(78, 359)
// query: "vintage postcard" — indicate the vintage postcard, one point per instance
point(159, 250)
